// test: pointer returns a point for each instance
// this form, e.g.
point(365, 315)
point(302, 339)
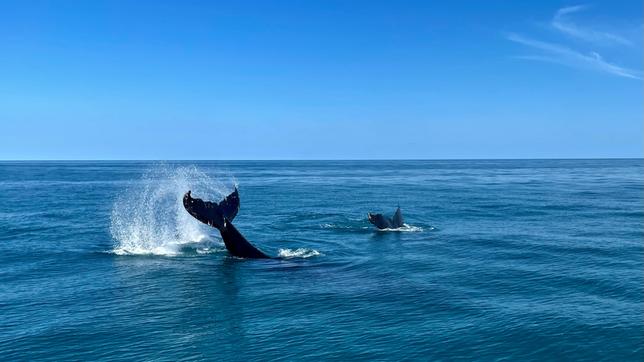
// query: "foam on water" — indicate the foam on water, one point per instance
point(404, 228)
point(297, 253)
point(149, 218)
point(346, 227)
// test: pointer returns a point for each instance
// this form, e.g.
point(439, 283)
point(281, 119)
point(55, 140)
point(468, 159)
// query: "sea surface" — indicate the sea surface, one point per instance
point(499, 260)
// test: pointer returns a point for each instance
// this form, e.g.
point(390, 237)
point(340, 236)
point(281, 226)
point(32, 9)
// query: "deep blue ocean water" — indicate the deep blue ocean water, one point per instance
point(512, 259)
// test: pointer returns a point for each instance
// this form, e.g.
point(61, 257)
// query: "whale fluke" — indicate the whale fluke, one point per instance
point(220, 216)
point(382, 222)
point(212, 213)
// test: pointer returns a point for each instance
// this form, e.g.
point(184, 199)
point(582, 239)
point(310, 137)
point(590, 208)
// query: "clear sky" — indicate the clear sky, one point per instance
point(320, 79)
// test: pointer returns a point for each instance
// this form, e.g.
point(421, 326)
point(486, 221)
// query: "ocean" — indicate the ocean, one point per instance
point(498, 260)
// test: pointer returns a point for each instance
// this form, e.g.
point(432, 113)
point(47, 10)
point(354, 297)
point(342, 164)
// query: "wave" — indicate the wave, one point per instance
point(298, 253)
point(148, 218)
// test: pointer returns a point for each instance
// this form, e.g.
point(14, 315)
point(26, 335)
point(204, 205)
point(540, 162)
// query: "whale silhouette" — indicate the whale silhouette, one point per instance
point(383, 222)
point(220, 216)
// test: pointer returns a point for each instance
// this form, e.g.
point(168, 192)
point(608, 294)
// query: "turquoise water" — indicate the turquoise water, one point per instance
point(520, 260)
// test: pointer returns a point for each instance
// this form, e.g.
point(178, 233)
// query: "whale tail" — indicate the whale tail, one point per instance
point(383, 222)
point(212, 213)
point(379, 220)
point(397, 220)
point(220, 215)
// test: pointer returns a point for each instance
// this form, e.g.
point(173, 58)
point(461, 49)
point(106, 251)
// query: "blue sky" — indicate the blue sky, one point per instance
point(320, 80)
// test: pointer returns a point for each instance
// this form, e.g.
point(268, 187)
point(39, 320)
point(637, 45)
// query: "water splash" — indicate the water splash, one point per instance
point(149, 218)
point(297, 253)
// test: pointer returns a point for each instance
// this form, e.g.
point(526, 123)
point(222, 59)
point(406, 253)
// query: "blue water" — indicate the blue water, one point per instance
point(519, 260)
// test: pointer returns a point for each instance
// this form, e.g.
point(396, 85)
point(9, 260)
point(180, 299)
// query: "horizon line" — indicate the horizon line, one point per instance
point(322, 159)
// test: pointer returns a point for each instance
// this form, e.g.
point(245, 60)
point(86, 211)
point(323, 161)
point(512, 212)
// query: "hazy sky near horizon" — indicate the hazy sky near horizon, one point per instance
point(320, 79)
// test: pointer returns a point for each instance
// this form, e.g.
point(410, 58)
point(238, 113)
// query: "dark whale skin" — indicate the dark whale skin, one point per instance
point(383, 222)
point(220, 216)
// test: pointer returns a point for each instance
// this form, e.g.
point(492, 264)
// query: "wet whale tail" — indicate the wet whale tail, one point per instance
point(383, 222)
point(212, 213)
point(397, 220)
point(220, 215)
